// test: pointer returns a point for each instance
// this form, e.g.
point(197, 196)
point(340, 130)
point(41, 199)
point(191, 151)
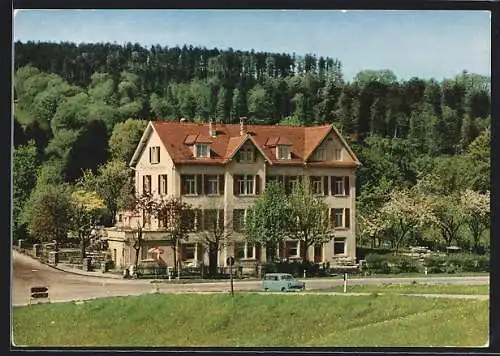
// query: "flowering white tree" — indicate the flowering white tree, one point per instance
point(405, 210)
point(477, 213)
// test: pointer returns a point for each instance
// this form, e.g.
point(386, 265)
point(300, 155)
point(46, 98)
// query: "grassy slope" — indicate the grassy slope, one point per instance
point(254, 320)
point(415, 289)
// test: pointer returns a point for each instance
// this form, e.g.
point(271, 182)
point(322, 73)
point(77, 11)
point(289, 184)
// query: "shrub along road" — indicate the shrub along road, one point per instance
point(63, 286)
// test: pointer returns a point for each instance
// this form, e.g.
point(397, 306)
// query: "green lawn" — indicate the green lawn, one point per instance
point(414, 289)
point(254, 320)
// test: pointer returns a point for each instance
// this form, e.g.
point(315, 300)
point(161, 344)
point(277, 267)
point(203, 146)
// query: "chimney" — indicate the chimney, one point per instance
point(211, 128)
point(243, 126)
point(183, 119)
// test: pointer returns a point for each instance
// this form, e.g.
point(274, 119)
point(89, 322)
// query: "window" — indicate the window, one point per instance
point(245, 185)
point(291, 182)
point(340, 185)
point(292, 249)
point(213, 219)
point(188, 184)
point(162, 184)
point(250, 251)
point(202, 150)
point(339, 246)
point(154, 154)
point(317, 185)
point(244, 250)
point(146, 217)
point(319, 154)
point(238, 220)
point(145, 254)
point(338, 217)
point(146, 184)
point(246, 154)
point(212, 185)
point(341, 218)
point(188, 252)
point(283, 151)
point(338, 154)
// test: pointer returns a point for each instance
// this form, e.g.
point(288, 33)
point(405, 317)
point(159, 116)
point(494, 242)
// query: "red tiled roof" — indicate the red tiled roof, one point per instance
point(176, 136)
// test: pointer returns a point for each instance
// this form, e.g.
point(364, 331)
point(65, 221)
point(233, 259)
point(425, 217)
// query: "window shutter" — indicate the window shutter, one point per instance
point(281, 180)
point(205, 184)
point(237, 156)
point(199, 184)
point(346, 185)
point(158, 154)
point(159, 184)
point(150, 160)
point(257, 252)
point(332, 217)
point(183, 184)
point(221, 219)
point(235, 185)
point(165, 178)
point(254, 154)
point(143, 184)
point(257, 184)
point(332, 185)
point(325, 185)
point(221, 184)
point(288, 189)
point(347, 213)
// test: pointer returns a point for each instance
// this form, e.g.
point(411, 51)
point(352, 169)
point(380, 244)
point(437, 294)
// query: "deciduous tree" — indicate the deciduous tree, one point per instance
point(269, 219)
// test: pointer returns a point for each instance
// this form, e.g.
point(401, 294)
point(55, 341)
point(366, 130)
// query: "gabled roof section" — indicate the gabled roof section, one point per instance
point(142, 144)
point(236, 143)
point(314, 134)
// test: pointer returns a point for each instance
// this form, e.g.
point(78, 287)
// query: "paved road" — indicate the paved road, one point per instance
point(63, 286)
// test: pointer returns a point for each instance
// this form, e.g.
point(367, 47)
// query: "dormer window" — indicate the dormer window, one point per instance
point(283, 152)
point(202, 150)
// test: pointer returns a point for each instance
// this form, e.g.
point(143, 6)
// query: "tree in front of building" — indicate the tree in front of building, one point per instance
point(308, 222)
point(176, 218)
point(47, 212)
point(87, 207)
point(269, 219)
point(215, 235)
point(146, 206)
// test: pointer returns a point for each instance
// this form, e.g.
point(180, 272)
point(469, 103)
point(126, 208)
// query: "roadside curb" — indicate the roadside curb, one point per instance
point(81, 273)
point(76, 272)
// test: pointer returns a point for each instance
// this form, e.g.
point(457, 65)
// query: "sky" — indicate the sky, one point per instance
point(424, 44)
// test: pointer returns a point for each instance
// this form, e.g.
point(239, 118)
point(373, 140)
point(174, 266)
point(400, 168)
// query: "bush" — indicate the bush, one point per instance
point(456, 263)
point(388, 263)
point(376, 263)
point(362, 252)
point(295, 268)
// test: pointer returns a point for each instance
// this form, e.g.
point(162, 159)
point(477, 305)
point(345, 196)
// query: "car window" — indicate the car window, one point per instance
point(286, 277)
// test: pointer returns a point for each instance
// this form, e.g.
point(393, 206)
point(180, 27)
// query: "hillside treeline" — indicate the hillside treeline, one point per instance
point(74, 102)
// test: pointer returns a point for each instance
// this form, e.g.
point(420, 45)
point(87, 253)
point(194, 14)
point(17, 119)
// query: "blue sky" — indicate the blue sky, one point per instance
point(438, 44)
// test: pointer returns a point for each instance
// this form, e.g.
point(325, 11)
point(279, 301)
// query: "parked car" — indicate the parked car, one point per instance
point(283, 282)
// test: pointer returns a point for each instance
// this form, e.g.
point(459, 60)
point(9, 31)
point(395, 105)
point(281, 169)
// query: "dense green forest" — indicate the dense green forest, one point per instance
point(80, 109)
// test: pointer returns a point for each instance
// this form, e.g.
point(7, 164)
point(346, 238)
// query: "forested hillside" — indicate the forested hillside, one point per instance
point(421, 141)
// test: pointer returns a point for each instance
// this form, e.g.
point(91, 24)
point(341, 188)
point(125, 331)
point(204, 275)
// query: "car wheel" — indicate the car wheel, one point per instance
point(283, 289)
point(266, 289)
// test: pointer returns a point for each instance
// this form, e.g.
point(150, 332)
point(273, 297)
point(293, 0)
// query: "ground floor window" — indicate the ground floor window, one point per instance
point(292, 249)
point(245, 250)
point(188, 252)
point(339, 246)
